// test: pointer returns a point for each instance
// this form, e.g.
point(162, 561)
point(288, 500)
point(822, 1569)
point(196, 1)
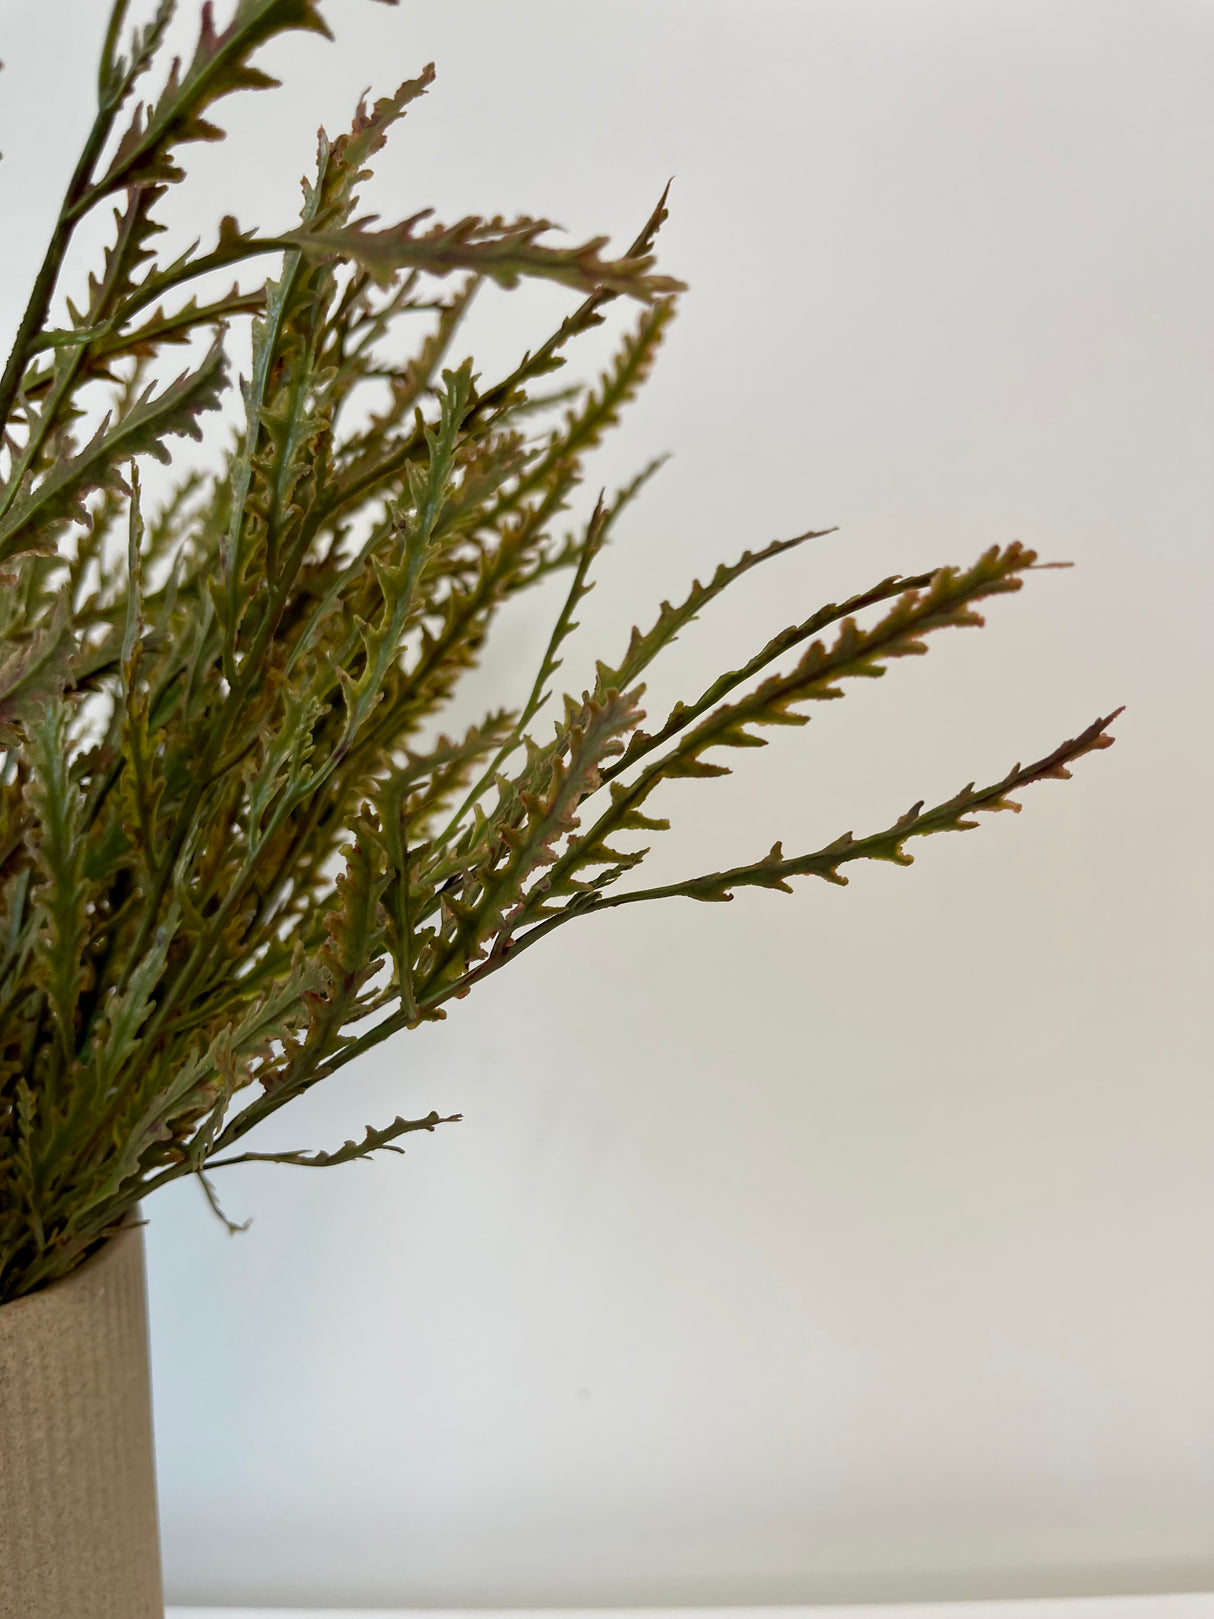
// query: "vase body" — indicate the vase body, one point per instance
point(79, 1536)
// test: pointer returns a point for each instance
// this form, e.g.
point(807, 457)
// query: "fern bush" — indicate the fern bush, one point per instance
point(230, 862)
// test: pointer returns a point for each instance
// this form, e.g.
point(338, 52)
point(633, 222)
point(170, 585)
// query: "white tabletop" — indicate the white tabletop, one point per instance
point(1167, 1605)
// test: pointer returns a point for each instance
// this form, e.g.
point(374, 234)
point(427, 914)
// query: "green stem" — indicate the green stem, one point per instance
point(48, 275)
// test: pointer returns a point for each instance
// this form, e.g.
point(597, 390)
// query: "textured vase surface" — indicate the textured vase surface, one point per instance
point(79, 1537)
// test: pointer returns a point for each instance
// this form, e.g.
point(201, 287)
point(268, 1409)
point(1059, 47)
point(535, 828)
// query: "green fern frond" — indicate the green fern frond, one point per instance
point(774, 870)
point(220, 64)
point(62, 896)
point(505, 251)
point(373, 1141)
point(31, 520)
point(242, 843)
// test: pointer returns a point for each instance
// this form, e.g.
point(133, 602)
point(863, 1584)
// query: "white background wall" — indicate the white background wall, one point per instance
point(848, 1246)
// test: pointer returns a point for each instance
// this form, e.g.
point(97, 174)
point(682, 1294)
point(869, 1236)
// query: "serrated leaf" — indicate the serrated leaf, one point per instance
point(373, 1141)
point(219, 65)
point(774, 870)
point(505, 251)
point(60, 494)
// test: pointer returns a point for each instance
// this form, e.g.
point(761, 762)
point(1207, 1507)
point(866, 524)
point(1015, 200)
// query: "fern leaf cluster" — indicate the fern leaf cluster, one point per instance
point(237, 848)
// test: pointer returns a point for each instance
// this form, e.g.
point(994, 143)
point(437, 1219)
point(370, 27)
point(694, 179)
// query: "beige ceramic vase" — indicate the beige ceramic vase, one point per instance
point(78, 1524)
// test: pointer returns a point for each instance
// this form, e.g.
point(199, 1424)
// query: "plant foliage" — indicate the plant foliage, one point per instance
point(235, 850)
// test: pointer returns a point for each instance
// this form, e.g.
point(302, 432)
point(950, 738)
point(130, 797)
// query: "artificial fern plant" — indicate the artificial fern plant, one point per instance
point(233, 858)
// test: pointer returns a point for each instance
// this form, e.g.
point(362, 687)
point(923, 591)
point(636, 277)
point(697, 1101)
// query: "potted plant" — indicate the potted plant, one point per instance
point(236, 851)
